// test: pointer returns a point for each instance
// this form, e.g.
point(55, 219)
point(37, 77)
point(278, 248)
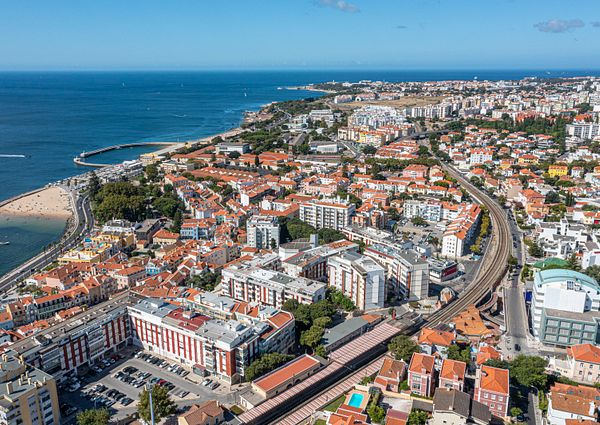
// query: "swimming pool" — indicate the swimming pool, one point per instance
point(356, 400)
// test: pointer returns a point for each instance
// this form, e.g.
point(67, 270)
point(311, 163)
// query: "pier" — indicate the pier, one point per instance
point(80, 160)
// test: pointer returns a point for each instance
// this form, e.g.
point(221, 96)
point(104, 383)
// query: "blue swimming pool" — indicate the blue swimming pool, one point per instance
point(356, 400)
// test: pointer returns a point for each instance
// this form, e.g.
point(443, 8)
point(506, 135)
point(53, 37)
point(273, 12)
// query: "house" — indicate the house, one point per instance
point(568, 402)
point(434, 341)
point(391, 374)
point(208, 413)
point(421, 374)
point(584, 363)
point(452, 374)
point(164, 237)
point(453, 407)
point(492, 389)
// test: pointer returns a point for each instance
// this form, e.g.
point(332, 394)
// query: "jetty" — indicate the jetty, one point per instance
point(80, 159)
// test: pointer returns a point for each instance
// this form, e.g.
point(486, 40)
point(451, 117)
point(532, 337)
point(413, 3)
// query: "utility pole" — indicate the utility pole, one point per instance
point(149, 389)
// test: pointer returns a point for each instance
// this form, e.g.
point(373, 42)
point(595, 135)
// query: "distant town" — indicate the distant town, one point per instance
point(382, 253)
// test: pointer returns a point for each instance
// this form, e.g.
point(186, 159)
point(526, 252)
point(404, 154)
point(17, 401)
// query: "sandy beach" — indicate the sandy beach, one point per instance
point(52, 202)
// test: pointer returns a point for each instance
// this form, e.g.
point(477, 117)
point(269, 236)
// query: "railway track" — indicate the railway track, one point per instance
point(493, 268)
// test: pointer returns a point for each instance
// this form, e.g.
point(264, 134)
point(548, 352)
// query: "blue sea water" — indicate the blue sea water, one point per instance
point(52, 117)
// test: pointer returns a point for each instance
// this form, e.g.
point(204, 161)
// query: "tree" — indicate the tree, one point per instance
point(93, 417)
point(535, 250)
point(417, 417)
point(418, 221)
point(265, 363)
point(403, 347)
point(162, 404)
point(515, 411)
point(312, 337)
point(376, 413)
point(177, 221)
point(234, 155)
point(323, 322)
point(529, 371)
point(552, 198)
point(500, 364)
point(151, 171)
point(256, 161)
point(340, 300)
point(456, 352)
point(369, 150)
point(94, 185)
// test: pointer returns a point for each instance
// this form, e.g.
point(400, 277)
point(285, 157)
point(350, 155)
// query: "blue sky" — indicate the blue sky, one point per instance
point(310, 34)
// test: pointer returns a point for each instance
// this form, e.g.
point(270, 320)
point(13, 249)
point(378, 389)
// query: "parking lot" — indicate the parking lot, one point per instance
point(118, 383)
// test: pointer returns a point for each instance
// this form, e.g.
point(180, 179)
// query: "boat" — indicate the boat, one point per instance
point(5, 243)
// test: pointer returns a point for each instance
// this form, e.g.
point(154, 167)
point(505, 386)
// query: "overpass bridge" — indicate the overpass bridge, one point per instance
point(80, 159)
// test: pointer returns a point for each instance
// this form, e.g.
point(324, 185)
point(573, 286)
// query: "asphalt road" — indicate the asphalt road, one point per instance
point(84, 222)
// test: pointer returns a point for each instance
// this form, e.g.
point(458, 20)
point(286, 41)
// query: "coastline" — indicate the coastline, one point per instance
point(49, 203)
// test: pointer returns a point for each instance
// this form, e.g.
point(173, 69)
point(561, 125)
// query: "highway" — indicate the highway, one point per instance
point(83, 222)
point(491, 273)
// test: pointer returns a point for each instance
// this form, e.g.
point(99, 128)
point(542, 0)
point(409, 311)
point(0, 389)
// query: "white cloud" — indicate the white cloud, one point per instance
point(557, 26)
point(341, 5)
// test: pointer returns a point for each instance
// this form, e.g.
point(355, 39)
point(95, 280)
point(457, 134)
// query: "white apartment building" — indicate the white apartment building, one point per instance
point(327, 214)
point(565, 307)
point(358, 277)
point(262, 232)
point(461, 232)
point(480, 156)
point(427, 210)
point(583, 130)
point(269, 287)
point(407, 271)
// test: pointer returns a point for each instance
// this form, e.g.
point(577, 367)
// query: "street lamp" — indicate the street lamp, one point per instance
point(149, 389)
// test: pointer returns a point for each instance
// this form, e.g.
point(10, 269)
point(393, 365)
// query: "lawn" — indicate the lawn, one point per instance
point(332, 407)
point(320, 422)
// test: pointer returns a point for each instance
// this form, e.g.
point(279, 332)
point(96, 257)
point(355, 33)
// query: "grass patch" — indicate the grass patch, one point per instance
point(320, 422)
point(333, 406)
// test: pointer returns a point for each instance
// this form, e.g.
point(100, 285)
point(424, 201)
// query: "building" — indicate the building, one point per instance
point(208, 413)
point(453, 407)
point(582, 364)
point(427, 210)
point(492, 389)
point(421, 374)
point(452, 375)
point(229, 147)
point(407, 271)
point(28, 395)
point(583, 130)
point(568, 402)
point(461, 232)
point(565, 307)
point(435, 341)
point(327, 214)
point(262, 232)
point(284, 377)
point(312, 261)
point(358, 277)
point(269, 287)
point(391, 374)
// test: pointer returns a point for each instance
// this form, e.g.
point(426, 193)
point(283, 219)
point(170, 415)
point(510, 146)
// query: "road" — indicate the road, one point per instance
point(518, 338)
point(83, 222)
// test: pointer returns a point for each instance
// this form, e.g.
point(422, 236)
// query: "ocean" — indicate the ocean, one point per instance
point(52, 117)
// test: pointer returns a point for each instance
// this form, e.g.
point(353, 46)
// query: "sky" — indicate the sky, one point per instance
point(299, 34)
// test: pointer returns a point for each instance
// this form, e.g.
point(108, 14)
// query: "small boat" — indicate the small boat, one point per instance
point(5, 243)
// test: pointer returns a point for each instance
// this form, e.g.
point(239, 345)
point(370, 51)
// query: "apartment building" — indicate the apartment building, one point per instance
point(312, 262)
point(269, 287)
point(582, 364)
point(461, 232)
point(565, 307)
point(262, 232)
point(28, 395)
point(407, 271)
point(358, 277)
point(492, 389)
point(583, 130)
point(452, 374)
point(421, 374)
point(327, 214)
point(427, 210)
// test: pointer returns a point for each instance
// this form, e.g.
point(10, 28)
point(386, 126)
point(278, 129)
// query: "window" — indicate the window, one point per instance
point(486, 395)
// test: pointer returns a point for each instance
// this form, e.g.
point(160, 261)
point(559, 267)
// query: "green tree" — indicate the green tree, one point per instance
point(234, 155)
point(515, 411)
point(339, 300)
point(529, 371)
point(535, 250)
point(500, 364)
point(162, 404)
point(151, 171)
point(417, 417)
point(93, 417)
point(418, 221)
point(456, 352)
point(264, 364)
point(312, 337)
point(323, 322)
point(403, 347)
point(94, 185)
point(177, 221)
point(376, 413)
point(369, 150)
